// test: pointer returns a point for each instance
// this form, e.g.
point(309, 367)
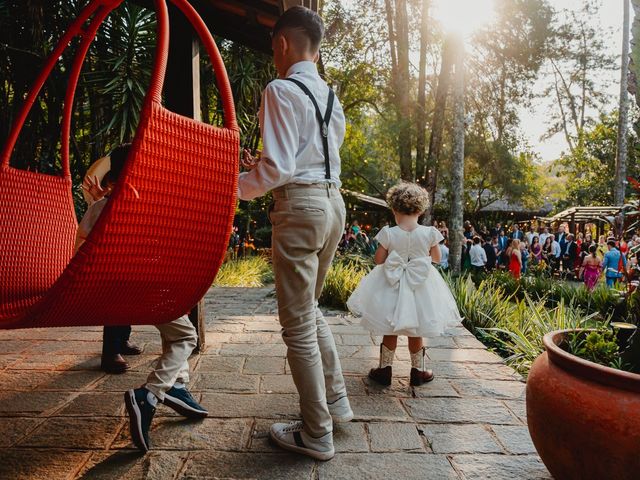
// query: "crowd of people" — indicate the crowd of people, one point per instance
point(570, 255)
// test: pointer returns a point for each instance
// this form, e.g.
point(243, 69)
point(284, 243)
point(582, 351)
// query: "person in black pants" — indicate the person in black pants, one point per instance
point(115, 340)
point(115, 344)
point(491, 254)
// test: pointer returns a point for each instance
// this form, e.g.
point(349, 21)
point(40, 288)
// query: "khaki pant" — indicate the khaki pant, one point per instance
point(307, 226)
point(179, 338)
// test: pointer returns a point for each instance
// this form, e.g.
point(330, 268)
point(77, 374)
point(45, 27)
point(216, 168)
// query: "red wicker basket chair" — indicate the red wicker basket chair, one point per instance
point(161, 238)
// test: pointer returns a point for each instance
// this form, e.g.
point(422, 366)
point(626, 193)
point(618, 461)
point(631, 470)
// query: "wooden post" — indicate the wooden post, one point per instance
point(182, 96)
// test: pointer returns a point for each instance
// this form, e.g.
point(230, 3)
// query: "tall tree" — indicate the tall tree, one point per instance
point(421, 105)
point(577, 59)
point(398, 33)
point(589, 173)
point(457, 164)
point(437, 124)
point(623, 112)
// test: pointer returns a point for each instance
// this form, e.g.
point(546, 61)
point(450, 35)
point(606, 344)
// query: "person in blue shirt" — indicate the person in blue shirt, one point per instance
point(611, 264)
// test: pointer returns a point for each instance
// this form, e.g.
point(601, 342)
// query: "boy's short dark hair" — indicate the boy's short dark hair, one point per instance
point(476, 240)
point(302, 20)
point(611, 243)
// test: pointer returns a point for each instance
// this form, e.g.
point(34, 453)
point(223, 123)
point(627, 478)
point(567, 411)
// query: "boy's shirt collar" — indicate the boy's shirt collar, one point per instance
point(305, 66)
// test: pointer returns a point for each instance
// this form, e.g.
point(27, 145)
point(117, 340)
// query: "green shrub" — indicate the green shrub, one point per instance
point(247, 272)
point(480, 306)
point(512, 326)
point(519, 336)
point(598, 346)
point(342, 279)
point(603, 300)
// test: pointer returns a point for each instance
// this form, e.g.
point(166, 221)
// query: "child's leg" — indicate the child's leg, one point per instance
point(415, 344)
point(179, 338)
point(382, 374)
point(419, 373)
point(390, 341)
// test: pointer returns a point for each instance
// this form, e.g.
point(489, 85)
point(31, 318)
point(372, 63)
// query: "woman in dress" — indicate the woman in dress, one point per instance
point(536, 249)
point(602, 247)
point(591, 267)
point(515, 258)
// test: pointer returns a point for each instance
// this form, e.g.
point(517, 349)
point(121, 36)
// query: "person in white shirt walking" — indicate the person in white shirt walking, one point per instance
point(302, 125)
point(478, 256)
point(444, 255)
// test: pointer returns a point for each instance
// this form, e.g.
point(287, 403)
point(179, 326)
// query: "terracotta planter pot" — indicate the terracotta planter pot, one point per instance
point(584, 418)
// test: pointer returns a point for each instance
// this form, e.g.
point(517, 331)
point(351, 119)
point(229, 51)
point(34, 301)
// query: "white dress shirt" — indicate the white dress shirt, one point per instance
point(444, 255)
point(291, 142)
point(555, 249)
point(543, 237)
point(478, 255)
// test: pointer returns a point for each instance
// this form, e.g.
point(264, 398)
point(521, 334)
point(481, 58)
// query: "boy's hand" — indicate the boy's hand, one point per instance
point(249, 161)
point(93, 188)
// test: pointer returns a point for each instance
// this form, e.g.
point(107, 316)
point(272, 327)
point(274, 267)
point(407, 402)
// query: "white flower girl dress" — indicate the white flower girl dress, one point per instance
point(406, 295)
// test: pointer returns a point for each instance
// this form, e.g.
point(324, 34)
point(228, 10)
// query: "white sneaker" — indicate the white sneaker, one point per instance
point(340, 410)
point(291, 436)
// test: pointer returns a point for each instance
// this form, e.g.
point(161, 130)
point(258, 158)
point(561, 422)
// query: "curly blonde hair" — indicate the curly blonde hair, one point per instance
point(408, 198)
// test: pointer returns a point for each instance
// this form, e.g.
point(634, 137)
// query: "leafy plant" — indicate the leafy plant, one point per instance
point(342, 279)
point(247, 272)
point(519, 337)
point(598, 346)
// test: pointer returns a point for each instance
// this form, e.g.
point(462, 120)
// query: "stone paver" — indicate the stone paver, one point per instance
point(61, 418)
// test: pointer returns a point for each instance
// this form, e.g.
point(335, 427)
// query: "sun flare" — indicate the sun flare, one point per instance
point(464, 16)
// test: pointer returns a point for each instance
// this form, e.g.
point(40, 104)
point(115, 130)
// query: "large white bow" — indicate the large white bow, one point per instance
point(406, 275)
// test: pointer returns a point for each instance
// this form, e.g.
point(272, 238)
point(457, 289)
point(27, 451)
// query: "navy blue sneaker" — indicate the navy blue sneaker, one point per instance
point(180, 400)
point(141, 413)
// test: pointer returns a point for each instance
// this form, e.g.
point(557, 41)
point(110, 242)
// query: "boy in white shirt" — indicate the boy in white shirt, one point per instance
point(302, 126)
point(478, 256)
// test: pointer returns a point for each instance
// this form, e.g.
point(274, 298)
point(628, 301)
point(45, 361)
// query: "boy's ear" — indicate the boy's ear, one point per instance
point(282, 43)
point(316, 57)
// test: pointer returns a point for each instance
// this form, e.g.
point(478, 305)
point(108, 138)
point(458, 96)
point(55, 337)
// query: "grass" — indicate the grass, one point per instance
point(252, 272)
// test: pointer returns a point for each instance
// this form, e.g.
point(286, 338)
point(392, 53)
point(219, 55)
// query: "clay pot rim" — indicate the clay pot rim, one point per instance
point(580, 367)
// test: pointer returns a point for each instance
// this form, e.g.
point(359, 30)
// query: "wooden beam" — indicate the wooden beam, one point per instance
point(182, 96)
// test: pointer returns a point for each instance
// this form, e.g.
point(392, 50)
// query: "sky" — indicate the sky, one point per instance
point(534, 122)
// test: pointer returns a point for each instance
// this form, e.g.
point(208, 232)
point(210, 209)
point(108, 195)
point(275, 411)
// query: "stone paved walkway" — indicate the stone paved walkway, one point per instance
point(61, 418)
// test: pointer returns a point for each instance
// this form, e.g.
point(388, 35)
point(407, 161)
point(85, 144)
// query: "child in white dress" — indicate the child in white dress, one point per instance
point(404, 294)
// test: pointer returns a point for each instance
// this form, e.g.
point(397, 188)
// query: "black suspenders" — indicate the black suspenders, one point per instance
point(322, 120)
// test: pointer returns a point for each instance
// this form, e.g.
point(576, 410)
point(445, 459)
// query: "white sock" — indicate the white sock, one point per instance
point(152, 399)
point(179, 385)
point(417, 359)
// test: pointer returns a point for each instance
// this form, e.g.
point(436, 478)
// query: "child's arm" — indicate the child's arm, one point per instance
point(435, 254)
point(381, 255)
point(81, 236)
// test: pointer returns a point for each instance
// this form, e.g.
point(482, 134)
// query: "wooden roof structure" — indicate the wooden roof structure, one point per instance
point(361, 197)
point(248, 22)
point(586, 214)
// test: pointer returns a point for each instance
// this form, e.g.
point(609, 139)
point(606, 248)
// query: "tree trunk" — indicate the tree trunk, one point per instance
point(402, 91)
point(437, 125)
point(457, 164)
point(421, 106)
point(621, 160)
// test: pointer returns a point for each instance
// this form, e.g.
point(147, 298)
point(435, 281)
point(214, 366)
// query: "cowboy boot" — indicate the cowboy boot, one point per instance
point(382, 374)
point(419, 374)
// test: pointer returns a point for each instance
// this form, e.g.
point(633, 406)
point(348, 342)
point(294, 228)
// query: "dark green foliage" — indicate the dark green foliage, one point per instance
point(597, 346)
point(606, 302)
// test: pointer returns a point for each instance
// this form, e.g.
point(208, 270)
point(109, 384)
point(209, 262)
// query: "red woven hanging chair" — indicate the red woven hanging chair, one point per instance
point(161, 238)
